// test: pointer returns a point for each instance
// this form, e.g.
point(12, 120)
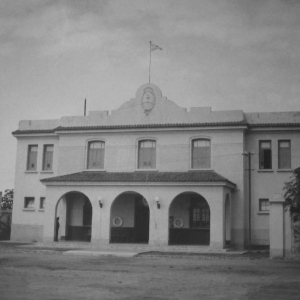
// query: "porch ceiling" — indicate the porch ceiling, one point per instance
point(205, 176)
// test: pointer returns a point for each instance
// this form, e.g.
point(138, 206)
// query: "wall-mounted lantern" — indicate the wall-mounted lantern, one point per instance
point(100, 202)
point(157, 200)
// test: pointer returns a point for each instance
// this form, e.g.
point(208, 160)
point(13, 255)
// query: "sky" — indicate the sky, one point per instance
point(225, 54)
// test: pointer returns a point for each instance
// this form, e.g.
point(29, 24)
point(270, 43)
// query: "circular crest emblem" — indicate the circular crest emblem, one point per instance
point(117, 221)
point(148, 100)
point(178, 223)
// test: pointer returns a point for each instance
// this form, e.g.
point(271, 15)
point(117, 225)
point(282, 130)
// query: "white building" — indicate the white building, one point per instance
point(152, 172)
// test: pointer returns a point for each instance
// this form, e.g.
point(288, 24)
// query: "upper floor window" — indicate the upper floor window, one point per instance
point(42, 202)
point(32, 157)
point(147, 154)
point(47, 157)
point(201, 154)
point(95, 157)
point(284, 154)
point(265, 155)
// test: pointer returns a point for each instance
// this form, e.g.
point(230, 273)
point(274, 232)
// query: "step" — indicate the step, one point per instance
point(129, 247)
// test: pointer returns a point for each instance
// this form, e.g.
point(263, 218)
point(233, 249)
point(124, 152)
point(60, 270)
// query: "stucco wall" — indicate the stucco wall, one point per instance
point(26, 233)
point(28, 223)
point(267, 183)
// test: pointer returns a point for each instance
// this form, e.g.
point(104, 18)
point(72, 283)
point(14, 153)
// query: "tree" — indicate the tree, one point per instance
point(292, 193)
point(7, 200)
point(292, 200)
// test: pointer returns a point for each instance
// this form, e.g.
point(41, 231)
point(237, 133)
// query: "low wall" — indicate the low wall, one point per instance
point(5, 225)
point(26, 233)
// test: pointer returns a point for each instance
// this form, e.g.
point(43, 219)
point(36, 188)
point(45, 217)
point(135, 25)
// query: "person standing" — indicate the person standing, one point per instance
point(56, 229)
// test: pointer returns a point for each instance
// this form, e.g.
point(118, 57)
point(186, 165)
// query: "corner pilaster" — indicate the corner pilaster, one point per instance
point(277, 227)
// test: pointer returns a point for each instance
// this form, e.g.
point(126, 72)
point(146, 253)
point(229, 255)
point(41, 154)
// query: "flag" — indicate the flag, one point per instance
point(154, 47)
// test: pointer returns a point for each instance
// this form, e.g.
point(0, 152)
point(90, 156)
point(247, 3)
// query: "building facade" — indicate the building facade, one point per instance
point(152, 172)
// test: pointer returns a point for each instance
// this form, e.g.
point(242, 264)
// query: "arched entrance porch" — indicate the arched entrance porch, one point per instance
point(189, 220)
point(74, 211)
point(129, 222)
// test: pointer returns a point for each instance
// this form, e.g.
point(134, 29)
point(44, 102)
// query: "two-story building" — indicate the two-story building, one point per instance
point(152, 172)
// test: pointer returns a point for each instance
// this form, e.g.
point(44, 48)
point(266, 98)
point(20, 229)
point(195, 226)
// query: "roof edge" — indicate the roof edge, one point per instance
point(129, 126)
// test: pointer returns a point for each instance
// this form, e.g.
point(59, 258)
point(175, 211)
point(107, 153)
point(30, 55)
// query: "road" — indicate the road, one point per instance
point(46, 274)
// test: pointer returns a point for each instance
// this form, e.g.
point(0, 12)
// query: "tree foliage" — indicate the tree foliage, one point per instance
point(292, 192)
point(7, 200)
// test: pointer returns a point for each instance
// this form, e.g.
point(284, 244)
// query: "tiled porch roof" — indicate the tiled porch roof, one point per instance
point(141, 177)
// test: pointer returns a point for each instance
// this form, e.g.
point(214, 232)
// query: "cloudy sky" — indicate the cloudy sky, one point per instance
point(227, 54)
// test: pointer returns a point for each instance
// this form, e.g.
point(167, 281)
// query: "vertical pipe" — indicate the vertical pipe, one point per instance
point(150, 61)
point(249, 202)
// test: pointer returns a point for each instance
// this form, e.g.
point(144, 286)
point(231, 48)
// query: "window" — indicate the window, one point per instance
point(201, 156)
point(47, 157)
point(95, 158)
point(147, 154)
point(284, 154)
point(32, 157)
point(42, 202)
point(29, 202)
point(199, 214)
point(264, 205)
point(265, 155)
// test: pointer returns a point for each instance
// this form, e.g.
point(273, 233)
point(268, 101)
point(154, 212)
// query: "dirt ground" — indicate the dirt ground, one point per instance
point(45, 274)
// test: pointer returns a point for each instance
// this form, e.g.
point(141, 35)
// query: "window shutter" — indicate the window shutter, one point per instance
point(100, 158)
point(48, 157)
point(32, 158)
point(267, 159)
point(265, 155)
point(147, 155)
point(153, 158)
point(96, 155)
point(201, 154)
point(92, 158)
point(284, 155)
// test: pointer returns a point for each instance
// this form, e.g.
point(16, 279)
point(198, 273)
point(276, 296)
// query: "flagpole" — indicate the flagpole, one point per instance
point(150, 62)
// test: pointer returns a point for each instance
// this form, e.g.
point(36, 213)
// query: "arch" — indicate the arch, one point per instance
point(73, 217)
point(189, 220)
point(129, 219)
point(145, 138)
point(227, 220)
